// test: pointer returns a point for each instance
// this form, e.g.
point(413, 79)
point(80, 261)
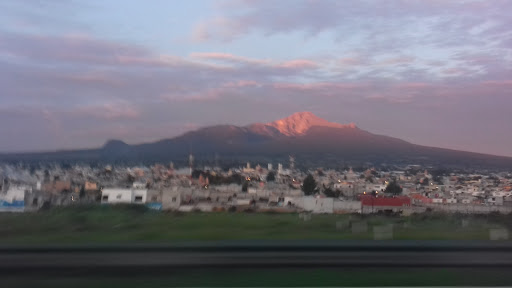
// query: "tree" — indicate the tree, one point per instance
point(393, 188)
point(309, 185)
point(271, 176)
point(331, 193)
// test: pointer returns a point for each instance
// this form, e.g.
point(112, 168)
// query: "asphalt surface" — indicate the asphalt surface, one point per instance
point(254, 254)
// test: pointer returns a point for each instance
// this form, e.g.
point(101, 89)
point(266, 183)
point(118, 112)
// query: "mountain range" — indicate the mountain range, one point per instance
point(314, 140)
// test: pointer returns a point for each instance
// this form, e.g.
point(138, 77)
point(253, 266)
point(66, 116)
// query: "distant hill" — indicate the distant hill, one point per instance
point(316, 140)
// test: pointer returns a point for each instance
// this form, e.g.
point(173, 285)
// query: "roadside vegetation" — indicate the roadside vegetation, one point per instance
point(136, 224)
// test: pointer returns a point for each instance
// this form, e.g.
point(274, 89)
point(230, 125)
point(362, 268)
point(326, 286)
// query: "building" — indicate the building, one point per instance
point(171, 199)
point(139, 196)
point(116, 195)
point(57, 186)
point(90, 186)
point(372, 204)
point(13, 200)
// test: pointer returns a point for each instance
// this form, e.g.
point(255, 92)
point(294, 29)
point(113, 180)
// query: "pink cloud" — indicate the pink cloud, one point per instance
point(108, 111)
point(350, 61)
point(299, 64)
point(412, 85)
point(228, 57)
point(315, 86)
point(395, 100)
point(241, 83)
point(498, 82)
point(395, 61)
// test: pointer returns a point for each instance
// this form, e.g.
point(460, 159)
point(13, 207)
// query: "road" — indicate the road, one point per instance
point(287, 254)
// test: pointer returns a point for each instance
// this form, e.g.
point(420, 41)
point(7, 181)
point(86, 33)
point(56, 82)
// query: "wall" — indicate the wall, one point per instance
point(171, 200)
point(318, 205)
point(116, 195)
point(346, 206)
point(154, 196)
point(470, 208)
point(140, 194)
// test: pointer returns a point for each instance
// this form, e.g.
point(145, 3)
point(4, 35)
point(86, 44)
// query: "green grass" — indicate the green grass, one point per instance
point(126, 224)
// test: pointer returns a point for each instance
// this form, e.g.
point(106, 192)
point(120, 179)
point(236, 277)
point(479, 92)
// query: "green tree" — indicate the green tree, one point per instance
point(331, 193)
point(271, 176)
point(393, 188)
point(309, 185)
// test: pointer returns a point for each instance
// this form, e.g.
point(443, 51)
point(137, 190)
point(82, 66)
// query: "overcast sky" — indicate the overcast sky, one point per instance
point(76, 73)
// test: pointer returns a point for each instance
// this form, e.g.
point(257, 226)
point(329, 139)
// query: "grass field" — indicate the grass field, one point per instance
point(127, 224)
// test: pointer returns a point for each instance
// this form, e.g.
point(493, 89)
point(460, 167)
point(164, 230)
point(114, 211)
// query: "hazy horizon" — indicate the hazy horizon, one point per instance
point(75, 74)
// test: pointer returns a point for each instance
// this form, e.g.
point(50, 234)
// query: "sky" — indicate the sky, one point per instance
point(74, 74)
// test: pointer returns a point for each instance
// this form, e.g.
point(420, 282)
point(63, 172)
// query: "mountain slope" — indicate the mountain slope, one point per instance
point(301, 134)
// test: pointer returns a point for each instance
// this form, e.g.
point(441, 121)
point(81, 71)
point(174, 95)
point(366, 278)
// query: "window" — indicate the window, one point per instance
point(138, 198)
point(34, 202)
point(173, 199)
point(104, 198)
point(118, 196)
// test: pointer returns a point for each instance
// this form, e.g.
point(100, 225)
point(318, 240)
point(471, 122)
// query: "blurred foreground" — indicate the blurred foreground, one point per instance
point(129, 224)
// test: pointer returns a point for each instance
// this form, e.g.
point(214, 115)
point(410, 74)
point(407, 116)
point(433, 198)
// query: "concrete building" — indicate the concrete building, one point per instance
point(116, 195)
point(13, 200)
point(139, 196)
point(139, 185)
point(171, 199)
point(372, 204)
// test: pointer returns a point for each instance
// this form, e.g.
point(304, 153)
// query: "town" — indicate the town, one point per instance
point(400, 190)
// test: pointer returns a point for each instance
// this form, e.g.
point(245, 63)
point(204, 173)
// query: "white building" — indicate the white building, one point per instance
point(139, 196)
point(116, 195)
point(376, 187)
point(13, 200)
point(451, 201)
point(139, 185)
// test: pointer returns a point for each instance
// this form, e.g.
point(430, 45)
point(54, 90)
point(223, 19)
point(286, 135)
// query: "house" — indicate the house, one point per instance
point(139, 185)
point(451, 201)
point(13, 200)
point(139, 196)
point(376, 187)
point(495, 201)
point(437, 200)
point(171, 199)
point(57, 186)
point(116, 195)
point(90, 186)
point(372, 204)
point(466, 200)
point(154, 199)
